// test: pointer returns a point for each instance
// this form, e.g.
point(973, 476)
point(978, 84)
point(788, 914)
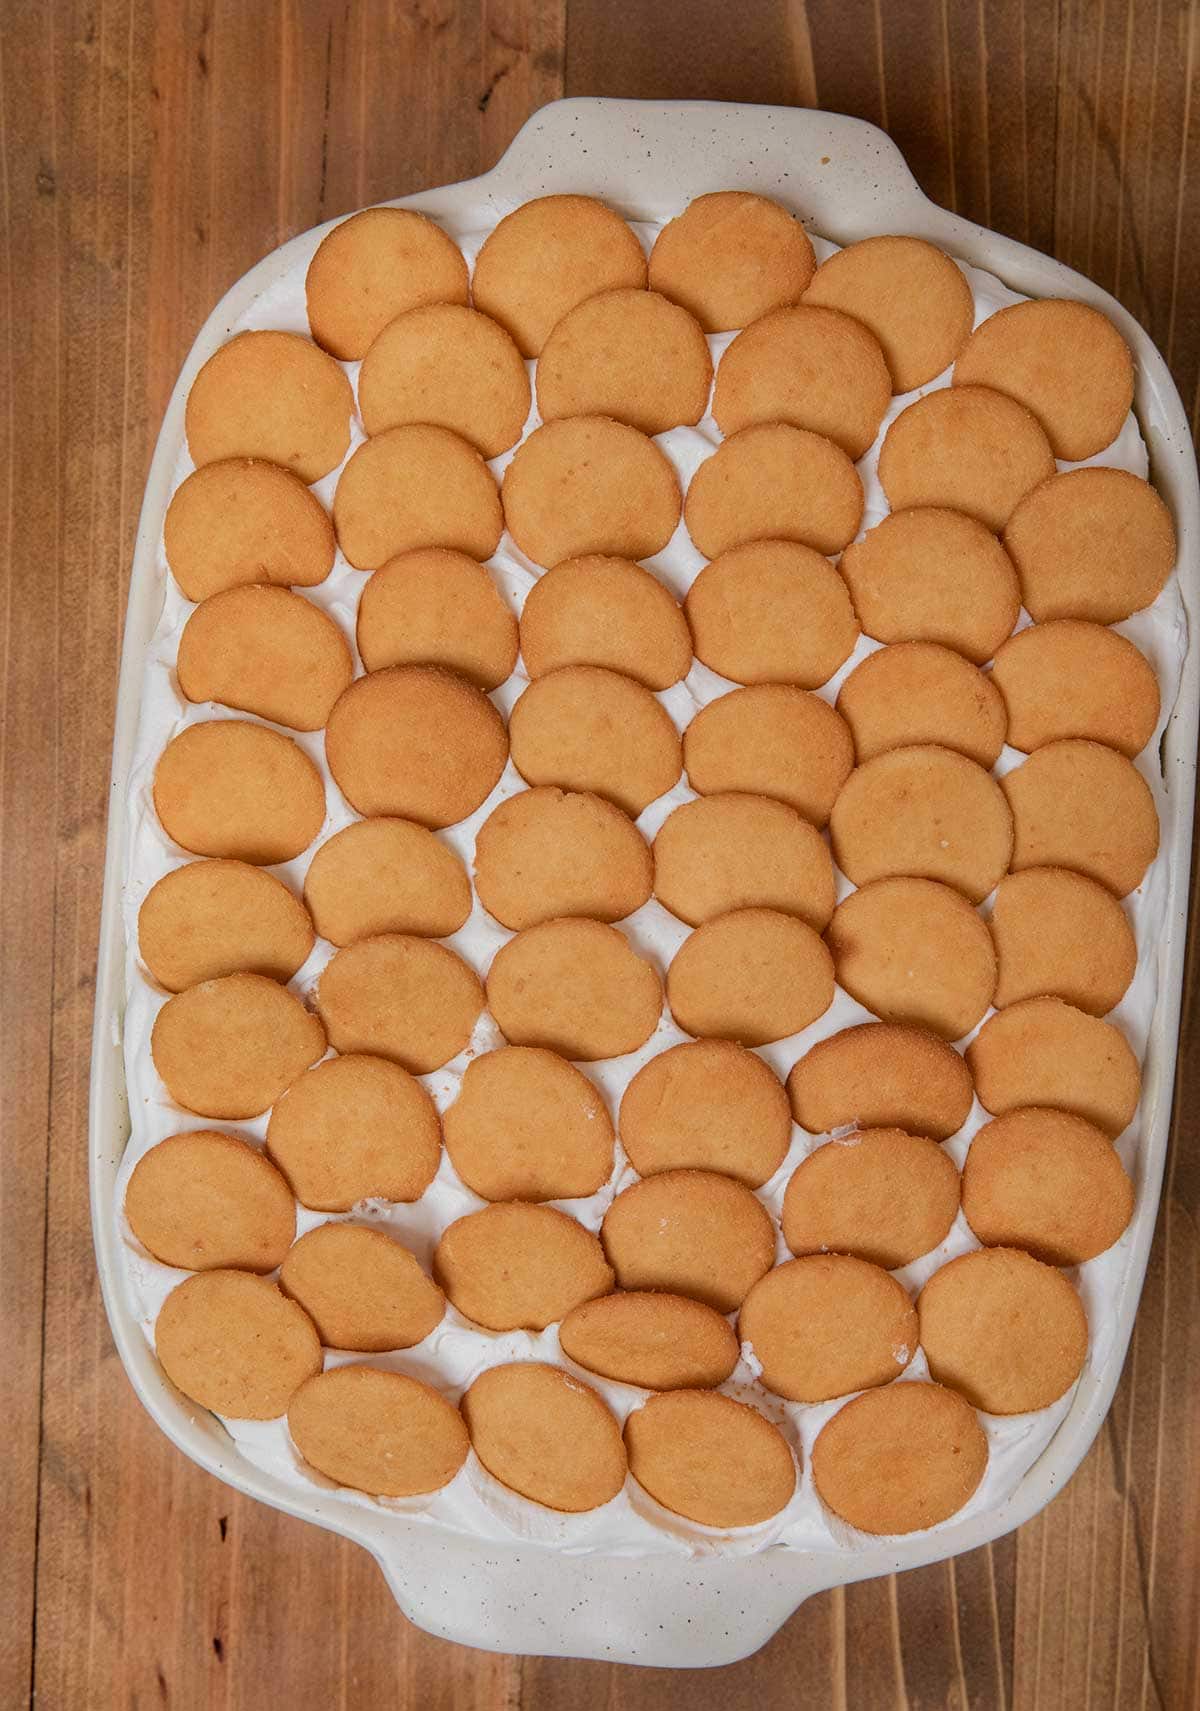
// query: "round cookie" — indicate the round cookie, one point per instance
point(267, 651)
point(774, 482)
point(911, 950)
point(1074, 679)
point(1091, 543)
point(826, 1324)
point(518, 1267)
point(374, 266)
point(651, 1339)
point(590, 730)
point(771, 612)
point(730, 257)
point(1064, 361)
point(546, 1436)
point(386, 876)
point(271, 395)
point(233, 1343)
point(399, 997)
point(631, 355)
point(932, 575)
point(771, 739)
point(913, 298)
point(1059, 934)
point(226, 787)
point(926, 812)
point(355, 1128)
point(527, 1125)
point(574, 987)
point(881, 1075)
point(1080, 805)
point(451, 366)
point(548, 255)
point(361, 1289)
point(900, 1459)
point(921, 692)
point(210, 918)
point(815, 368)
point(205, 1199)
point(415, 486)
point(417, 742)
point(706, 1105)
point(586, 484)
point(690, 1232)
point(437, 607)
point(377, 1431)
point(739, 852)
point(1007, 1332)
point(966, 448)
point(242, 520)
point(605, 611)
point(1045, 1052)
point(710, 1459)
point(549, 852)
point(753, 975)
point(879, 1194)
point(228, 1048)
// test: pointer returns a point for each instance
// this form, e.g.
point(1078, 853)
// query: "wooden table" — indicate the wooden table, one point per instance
point(154, 151)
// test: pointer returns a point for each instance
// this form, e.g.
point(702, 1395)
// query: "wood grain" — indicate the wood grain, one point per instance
point(152, 151)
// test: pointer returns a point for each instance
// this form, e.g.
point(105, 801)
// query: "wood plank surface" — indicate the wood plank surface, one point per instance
point(152, 151)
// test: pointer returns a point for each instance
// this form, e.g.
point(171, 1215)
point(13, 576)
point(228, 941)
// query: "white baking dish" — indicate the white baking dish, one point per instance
point(848, 181)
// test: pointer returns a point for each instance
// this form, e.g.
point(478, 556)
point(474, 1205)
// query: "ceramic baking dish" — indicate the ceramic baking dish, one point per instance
point(848, 181)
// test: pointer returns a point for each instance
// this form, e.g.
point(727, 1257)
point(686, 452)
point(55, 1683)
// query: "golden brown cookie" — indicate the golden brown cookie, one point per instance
point(361, 1289)
point(730, 257)
point(210, 918)
point(881, 1075)
point(355, 1128)
point(1045, 1052)
point(233, 1343)
point(740, 852)
point(1080, 805)
point(415, 486)
point(242, 520)
point(967, 448)
point(1058, 933)
point(1064, 361)
point(267, 651)
point(546, 1436)
point(527, 1125)
point(548, 852)
point(771, 612)
point(605, 611)
point(921, 692)
point(774, 482)
point(574, 987)
point(275, 396)
point(587, 729)
point(229, 1047)
point(883, 1195)
point(900, 1459)
point(205, 1199)
point(451, 366)
point(417, 742)
point(691, 1232)
point(386, 876)
point(771, 739)
point(927, 812)
point(1091, 543)
point(827, 1324)
point(515, 1266)
point(710, 1459)
point(226, 787)
point(379, 1432)
point(1005, 1330)
point(1074, 679)
point(753, 975)
point(374, 266)
point(631, 355)
point(400, 997)
point(586, 484)
point(911, 950)
point(706, 1105)
point(437, 607)
point(547, 256)
point(651, 1339)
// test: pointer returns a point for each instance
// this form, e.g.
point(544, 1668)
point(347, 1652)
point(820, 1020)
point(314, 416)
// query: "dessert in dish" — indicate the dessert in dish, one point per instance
point(539, 1241)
